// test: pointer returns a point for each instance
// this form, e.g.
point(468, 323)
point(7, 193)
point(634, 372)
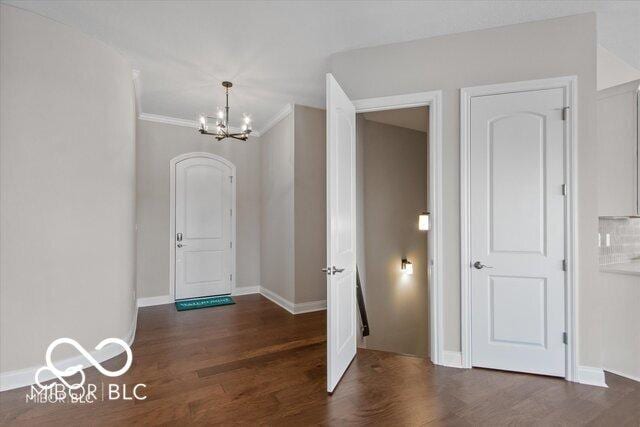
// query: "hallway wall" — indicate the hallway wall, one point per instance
point(293, 204)
point(67, 184)
point(277, 209)
point(157, 144)
point(395, 175)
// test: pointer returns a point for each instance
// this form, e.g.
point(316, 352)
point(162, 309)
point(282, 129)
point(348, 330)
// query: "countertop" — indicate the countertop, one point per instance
point(632, 268)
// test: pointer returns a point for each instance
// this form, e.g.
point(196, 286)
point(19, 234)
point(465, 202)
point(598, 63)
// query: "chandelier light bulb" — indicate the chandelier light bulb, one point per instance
point(203, 122)
point(220, 114)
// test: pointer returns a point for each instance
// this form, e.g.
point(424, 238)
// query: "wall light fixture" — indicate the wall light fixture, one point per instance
point(406, 267)
point(424, 221)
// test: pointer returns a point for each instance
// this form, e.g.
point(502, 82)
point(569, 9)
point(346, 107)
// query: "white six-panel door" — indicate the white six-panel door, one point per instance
point(203, 225)
point(517, 231)
point(341, 232)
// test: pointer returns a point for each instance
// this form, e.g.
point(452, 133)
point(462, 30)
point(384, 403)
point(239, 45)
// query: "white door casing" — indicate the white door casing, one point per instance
point(341, 233)
point(204, 227)
point(517, 229)
point(432, 100)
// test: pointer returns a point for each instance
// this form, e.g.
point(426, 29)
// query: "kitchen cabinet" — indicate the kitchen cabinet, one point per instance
point(618, 172)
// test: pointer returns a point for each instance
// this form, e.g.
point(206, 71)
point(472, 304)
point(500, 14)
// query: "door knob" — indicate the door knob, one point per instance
point(326, 270)
point(181, 245)
point(480, 265)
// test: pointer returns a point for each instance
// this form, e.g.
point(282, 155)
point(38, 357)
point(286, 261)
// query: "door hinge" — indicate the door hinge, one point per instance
point(564, 189)
point(231, 178)
point(565, 113)
point(231, 277)
point(230, 212)
point(564, 265)
point(564, 338)
point(230, 244)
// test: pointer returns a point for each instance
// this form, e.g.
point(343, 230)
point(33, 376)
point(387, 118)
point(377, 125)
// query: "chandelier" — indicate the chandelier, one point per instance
point(222, 129)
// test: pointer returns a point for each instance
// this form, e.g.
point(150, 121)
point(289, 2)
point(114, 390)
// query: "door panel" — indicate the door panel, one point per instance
point(516, 145)
point(204, 259)
point(517, 231)
point(341, 233)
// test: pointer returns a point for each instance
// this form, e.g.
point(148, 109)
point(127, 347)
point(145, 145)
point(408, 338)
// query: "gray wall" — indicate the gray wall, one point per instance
point(361, 240)
point(156, 145)
point(67, 149)
point(277, 209)
point(310, 204)
point(552, 48)
point(395, 192)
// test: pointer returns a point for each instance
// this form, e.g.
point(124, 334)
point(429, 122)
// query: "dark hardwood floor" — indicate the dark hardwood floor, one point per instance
point(254, 363)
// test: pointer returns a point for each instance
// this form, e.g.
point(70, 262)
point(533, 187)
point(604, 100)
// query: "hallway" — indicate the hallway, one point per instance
point(253, 362)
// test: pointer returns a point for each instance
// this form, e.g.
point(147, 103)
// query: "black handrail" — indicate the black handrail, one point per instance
point(363, 309)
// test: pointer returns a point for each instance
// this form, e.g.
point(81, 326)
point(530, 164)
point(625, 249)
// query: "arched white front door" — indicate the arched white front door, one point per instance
point(204, 253)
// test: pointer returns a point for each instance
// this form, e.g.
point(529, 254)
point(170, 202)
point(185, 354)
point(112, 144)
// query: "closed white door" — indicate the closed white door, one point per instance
point(341, 232)
point(517, 231)
point(203, 215)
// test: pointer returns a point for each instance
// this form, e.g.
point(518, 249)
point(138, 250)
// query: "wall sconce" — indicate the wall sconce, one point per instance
point(407, 267)
point(424, 221)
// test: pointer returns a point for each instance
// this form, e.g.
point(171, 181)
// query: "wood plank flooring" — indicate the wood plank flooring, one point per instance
point(254, 363)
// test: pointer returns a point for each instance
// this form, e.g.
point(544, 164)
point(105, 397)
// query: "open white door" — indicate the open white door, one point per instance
point(341, 232)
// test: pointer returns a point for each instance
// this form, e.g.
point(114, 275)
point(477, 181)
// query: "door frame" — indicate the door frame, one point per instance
point(433, 100)
point(570, 86)
point(172, 216)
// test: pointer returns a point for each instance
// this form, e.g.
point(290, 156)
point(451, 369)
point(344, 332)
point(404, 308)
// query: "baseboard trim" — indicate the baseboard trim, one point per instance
point(151, 301)
point(308, 307)
point(25, 377)
point(622, 374)
point(246, 290)
point(452, 359)
point(293, 308)
point(274, 297)
point(590, 376)
point(167, 299)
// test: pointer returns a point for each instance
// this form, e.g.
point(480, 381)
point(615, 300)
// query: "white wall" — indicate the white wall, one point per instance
point(67, 246)
point(552, 48)
point(157, 144)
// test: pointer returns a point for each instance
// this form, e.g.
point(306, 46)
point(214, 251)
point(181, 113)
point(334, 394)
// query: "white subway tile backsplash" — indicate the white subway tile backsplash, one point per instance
point(622, 240)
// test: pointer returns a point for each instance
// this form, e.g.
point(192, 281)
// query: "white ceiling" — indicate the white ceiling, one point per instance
point(416, 118)
point(276, 52)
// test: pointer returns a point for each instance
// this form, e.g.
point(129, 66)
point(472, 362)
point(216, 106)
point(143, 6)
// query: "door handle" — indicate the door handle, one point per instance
point(181, 245)
point(332, 270)
point(480, 265)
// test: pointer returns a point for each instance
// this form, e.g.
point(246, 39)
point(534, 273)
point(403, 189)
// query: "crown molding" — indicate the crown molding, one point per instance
point(157, 118)
point(137, 89)
point(275, 119)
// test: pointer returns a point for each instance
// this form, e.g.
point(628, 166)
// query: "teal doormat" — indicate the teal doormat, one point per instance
point(193, 303)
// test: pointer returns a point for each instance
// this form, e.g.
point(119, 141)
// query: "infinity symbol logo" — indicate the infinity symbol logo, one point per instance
point(78, 368)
